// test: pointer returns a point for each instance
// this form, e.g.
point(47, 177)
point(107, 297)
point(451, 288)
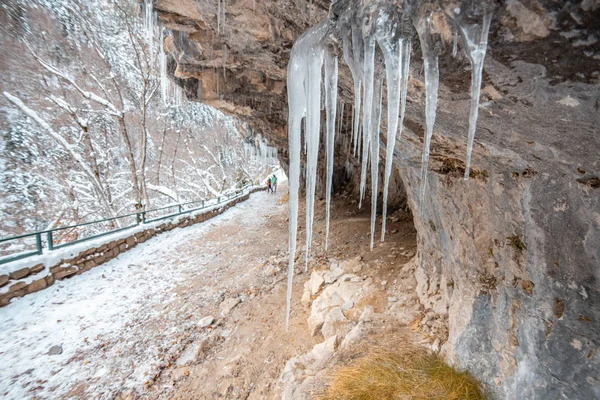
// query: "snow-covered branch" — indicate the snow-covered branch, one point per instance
point(164, 190)
point(63, 143)
point(86, 94)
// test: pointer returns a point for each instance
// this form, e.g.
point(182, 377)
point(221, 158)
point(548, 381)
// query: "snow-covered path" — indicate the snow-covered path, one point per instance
point(115, 325)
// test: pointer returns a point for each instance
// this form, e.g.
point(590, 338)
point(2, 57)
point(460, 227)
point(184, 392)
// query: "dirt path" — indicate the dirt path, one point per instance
point(116, 328)
point(133, 327)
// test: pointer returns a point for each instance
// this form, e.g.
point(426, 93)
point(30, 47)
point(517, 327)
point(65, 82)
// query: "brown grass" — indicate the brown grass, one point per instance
point(410, 373)
point(285, 198)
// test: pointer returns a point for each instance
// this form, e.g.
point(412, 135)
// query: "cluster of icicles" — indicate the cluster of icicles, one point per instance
point(259, 150)
point(362, 29)
point(171, 94)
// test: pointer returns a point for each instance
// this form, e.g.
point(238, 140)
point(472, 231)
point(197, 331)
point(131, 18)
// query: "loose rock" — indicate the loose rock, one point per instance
point(206, 321)
point(316, 281)
point(55, 350)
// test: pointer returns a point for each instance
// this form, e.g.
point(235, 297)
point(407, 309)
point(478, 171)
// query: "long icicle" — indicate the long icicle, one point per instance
point(378, 94)
point(432, 80)
point(367, 112)
point(392, 55)
point(405, 62)
point(475, 46)
point(357, 51)
point(306, 51)
point(313, 132)
point(352, 125)
point(331, 82)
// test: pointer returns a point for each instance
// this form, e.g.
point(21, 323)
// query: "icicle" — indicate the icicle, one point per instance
point(352, 125)
point(165, 82)
point(149, 26)
point(455, 45)
point(405, 73)
point(355, 67)
point(403, 66)
point(392, 54)
point(223, 24)
point(378, 93)
point(218, 85)
point(331, 81)
point(367, 112)
point(474, 39)
point(305, 53)
point(341, 120)
point(218, 16)
point(432, 80)
point(313, 128)
point(357, 51)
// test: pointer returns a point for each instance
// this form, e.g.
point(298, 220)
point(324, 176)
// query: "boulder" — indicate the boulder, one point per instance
point(335, 295)
point(293, 371)
point(323, 351)
point(335, 324)
point(316, 281)
point(334, 272)
point(358, 332)
point(3, 280)
point(347, 305)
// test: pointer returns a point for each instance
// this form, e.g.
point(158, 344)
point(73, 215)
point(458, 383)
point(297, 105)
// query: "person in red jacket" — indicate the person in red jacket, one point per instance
point(269, 188)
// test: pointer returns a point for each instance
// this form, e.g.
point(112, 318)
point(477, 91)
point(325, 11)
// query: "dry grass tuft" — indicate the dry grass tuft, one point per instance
point(410, 374)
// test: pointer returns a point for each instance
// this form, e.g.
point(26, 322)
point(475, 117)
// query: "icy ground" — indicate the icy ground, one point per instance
point(118, 323)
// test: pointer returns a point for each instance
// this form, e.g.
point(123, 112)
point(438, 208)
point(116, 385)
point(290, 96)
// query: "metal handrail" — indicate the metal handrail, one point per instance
point(140, 218)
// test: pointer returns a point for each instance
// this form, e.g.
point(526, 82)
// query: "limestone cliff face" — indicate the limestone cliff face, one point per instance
point(512, 256)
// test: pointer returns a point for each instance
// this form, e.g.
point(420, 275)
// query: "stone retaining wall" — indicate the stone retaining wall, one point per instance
point(93, 257)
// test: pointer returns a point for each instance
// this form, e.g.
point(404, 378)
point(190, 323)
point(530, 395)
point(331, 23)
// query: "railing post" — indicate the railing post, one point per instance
point(180, 209)
point(143, 217)
point(38, 242)
point(50, 241)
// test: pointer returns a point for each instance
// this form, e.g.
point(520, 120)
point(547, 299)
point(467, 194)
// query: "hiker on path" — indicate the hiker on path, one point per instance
point(269, 188)
point(274, 183)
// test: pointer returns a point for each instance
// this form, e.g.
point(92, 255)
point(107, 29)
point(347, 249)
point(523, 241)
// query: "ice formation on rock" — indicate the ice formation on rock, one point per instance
point(374, 147)
point(369, 70)
point(149, 25)
point(257, 149)
point(165, 82)
point(361, 28)
point(331, 83)
point(353, 60)
point(393, 132)
point(474, 42)
point(304, 96)
point(432, 83)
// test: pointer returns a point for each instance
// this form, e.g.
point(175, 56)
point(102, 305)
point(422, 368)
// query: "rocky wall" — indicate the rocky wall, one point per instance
point(512, 256)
